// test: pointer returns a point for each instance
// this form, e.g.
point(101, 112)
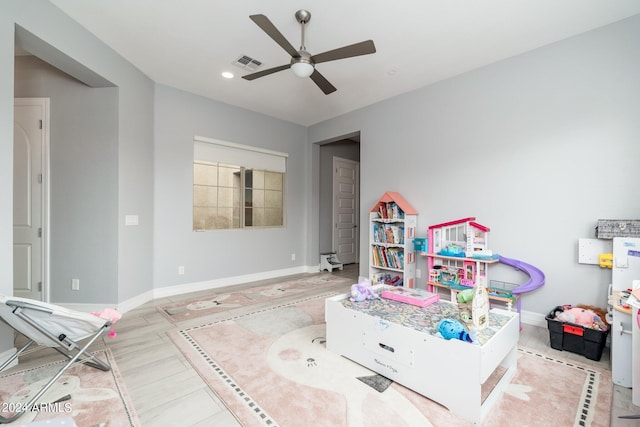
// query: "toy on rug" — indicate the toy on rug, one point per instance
point(583, 315)
point(362, 291)
point(453, 329)
point(111, 315)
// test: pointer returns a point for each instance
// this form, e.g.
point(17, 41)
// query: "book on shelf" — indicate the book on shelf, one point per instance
point(387, 257)
point(390, 211)
point(388, 233)
point(418, 297)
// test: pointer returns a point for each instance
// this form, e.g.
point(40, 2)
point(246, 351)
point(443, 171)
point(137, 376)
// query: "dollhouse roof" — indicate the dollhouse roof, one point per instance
point(479, 226)
point(392, 196)
point(470, 220)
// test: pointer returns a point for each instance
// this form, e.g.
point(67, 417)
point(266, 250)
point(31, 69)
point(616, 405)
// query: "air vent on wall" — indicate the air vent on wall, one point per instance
point(247, 62)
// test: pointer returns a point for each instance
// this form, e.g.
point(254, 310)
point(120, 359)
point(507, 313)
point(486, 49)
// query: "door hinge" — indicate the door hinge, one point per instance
point(40, 123)
point(39, 286)
point(40, 232)
point(39, 178)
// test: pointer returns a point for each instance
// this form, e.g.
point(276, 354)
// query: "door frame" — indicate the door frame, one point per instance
point(44, 104)
point(357, 206)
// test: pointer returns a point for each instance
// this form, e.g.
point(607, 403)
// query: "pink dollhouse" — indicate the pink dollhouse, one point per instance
point(454, 250)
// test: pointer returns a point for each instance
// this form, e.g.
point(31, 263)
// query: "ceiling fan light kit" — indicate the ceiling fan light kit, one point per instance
point(302, 62)
point(302, 66)
point(302, 69)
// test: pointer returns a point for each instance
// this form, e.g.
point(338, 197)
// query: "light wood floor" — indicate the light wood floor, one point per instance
point(166, 391)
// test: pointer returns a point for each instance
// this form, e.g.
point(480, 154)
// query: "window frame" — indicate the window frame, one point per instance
point(206, 152)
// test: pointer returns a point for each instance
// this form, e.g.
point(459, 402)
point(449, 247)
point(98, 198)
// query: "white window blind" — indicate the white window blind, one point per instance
point(216, 151)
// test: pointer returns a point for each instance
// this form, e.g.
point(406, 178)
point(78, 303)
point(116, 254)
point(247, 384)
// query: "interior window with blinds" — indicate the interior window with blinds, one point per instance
point(236, 186)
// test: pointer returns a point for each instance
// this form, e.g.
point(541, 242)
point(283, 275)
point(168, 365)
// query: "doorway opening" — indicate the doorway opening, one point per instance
point(339, 198)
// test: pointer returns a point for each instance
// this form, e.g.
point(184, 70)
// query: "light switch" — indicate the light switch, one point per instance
point(622, 261)
point(131, 220)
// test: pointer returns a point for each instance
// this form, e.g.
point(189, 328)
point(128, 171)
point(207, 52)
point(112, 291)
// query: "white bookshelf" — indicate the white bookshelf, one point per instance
point(392, 228)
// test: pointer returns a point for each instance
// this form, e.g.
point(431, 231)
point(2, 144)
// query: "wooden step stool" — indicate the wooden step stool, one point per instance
point(329, 261)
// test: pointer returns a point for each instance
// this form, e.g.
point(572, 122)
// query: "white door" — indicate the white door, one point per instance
point(29, 201)
point(345, 209)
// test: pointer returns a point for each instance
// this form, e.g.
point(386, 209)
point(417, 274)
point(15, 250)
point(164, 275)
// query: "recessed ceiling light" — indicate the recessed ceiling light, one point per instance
point(227, 75)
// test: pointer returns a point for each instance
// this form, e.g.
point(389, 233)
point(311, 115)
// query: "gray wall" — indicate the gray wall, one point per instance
point(537, 147)
point(63, 39)
point(211, 255)
point(83, 181)
point(6, 168)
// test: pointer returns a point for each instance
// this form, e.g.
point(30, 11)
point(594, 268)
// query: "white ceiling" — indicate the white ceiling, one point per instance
point(188, 44)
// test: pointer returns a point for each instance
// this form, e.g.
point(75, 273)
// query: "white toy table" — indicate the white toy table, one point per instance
point(397, 341)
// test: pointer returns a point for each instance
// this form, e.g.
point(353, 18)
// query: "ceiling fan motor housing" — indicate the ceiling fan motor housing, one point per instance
point(302, 62)
point(305, 58)
point(303, 16)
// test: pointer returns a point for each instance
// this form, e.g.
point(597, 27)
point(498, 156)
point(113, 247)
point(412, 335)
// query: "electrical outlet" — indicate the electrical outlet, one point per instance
point(75, 284)
point(181, 270)
point(418, 273)
point(293, 257)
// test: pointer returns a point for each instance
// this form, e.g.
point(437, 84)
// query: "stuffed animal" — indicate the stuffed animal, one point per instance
point(453, 329)
point(581, 316)
point(465, 295)
point(602, 314)
point(362, 291)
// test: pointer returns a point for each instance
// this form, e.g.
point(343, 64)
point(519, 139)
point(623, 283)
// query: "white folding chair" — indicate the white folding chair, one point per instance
point(56, 327)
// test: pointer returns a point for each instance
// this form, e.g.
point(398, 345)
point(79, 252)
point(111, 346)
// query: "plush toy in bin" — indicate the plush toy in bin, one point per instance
point(584, 315)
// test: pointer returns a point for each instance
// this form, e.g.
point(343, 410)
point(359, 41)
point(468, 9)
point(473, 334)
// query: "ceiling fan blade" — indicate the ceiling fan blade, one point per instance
point(322, 83)
point(266, 72)
point(357, 49)
point(271, 30)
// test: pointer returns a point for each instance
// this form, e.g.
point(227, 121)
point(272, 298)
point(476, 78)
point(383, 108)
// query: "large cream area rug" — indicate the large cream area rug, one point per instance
point(97, 398)
point(227, 301)
point(271, 368)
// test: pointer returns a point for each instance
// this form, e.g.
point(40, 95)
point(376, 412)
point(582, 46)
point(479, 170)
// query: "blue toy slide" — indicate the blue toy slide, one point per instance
point(536, 276)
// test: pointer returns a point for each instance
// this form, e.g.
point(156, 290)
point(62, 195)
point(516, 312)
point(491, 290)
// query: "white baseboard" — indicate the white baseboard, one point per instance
point(87, 308)
point(532, 318)
point(226, 281)
point(169, 291)
point(134, 302)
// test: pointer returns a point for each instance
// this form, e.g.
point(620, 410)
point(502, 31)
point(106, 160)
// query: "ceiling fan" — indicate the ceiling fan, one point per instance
point(302, 62)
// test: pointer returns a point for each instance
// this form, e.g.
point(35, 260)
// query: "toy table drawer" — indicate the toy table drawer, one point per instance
point(388, 345)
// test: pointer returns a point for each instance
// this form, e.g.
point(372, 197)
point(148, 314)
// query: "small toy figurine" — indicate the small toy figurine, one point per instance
point(362, 291)
point(453, 329)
